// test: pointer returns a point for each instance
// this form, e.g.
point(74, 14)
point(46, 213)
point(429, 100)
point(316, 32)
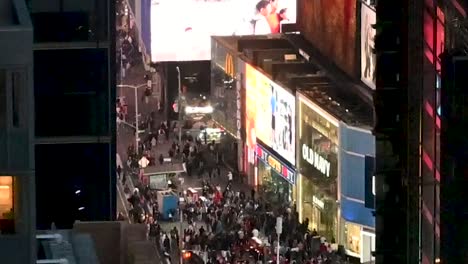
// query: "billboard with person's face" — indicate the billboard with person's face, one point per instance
point(368, 58)
point(331, 26)
point(270, 114)
point(181, 29)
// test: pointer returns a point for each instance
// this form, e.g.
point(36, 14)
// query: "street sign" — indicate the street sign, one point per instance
point(279, 225)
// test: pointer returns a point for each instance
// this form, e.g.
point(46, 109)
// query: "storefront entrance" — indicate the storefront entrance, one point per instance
point(275, 180)
point(273, 187)
point(319, 208)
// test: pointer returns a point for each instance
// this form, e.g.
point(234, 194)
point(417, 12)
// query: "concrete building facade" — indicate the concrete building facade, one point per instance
point(17, 184)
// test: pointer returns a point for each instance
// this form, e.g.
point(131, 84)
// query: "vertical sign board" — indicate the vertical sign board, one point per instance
point(369, 182)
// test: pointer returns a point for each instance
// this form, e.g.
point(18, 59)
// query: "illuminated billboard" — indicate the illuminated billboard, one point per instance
point(368, 58)
point(331, 26)
point(181, 29)
point(270, 114)
point(318, 143)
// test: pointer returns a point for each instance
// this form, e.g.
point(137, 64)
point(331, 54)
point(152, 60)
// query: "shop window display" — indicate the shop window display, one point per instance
point(320, 209)
point(353, 237)
point(273, 187)
point(318, 165)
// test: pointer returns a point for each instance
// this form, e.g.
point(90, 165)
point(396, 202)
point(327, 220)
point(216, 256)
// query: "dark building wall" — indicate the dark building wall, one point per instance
point(71, 92)
point(74, 62)
point(433, 45)
point(64, 169)
point(17, 227)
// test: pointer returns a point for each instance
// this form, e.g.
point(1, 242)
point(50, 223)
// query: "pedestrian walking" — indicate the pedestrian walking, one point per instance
point(161, 159)
point(230, 177)
point(119, 172)
point(124, 179)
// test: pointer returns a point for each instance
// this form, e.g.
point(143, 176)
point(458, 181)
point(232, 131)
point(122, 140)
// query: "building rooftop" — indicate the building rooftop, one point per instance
point(231, 42)
point(166, 167)
point(296, 65)
point(75, 247)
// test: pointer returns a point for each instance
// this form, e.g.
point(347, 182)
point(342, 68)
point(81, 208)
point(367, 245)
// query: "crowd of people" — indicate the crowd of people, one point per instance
point(221, 224)
point(230, 226)
point(234, 227)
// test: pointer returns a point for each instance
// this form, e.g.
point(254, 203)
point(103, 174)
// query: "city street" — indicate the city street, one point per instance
point(126, 137)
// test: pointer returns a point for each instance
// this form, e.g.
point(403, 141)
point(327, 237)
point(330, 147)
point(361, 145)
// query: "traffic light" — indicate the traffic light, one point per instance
point(175, 107)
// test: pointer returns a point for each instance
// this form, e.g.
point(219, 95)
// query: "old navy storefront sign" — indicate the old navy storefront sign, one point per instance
point(316, 160)
point(282, 169)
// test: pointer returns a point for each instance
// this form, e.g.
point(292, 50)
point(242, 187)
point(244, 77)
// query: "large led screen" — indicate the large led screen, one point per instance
point(368, 58)
point(181, 29)
point(270, 114)
point(331, 27)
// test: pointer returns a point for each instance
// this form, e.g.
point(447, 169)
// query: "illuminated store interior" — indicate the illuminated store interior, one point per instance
point(318, 167)
point(6, 196)
point(274, 184)
point(7, 225)
point(273, 187)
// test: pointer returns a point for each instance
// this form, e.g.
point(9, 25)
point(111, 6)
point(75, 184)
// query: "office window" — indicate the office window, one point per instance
point(69, 20)
point(3, 96)
point(85, 168)
point(6, 205)
point(15, 97)
point(71, 92)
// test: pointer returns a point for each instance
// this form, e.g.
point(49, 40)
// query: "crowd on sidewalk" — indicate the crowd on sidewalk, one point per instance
point(224, 225)
point(229, 226)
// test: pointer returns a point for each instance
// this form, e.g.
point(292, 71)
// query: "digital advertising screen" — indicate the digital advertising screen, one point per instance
point(181, 29)
point(368, 58)
point(331, 26)
point(270, 114)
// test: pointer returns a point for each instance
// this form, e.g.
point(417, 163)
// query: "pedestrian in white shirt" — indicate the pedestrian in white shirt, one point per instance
point(229, 177)
point(261, 25)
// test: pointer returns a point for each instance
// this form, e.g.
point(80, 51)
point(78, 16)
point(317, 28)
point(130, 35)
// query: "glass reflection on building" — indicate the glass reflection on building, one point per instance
point(318, 166)
point(226, 98)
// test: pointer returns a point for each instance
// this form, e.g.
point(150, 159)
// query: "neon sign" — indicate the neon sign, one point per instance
point(282, 169)
point(316, 160)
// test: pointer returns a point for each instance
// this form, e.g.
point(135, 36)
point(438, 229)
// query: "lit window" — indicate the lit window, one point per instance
point(6, 205)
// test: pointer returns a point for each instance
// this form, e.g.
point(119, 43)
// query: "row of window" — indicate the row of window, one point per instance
point(69, 21)
point(71, 89)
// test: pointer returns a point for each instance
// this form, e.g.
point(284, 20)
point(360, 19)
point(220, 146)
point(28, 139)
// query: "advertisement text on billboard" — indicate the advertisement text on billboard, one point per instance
point(368, 58)
point(270, 114)
point(181, 29)
point(319, 147)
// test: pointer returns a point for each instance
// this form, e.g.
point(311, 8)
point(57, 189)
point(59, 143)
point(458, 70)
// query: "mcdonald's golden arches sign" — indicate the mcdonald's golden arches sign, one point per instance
point(229, 65)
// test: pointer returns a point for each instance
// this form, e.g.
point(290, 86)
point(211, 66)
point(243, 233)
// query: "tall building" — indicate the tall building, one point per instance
point(17, 199)
point(74, 69)
point(426, 185)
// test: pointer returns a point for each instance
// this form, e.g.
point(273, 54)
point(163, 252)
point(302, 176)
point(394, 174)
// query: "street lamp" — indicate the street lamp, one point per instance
point(179, 103)
point(135, 88)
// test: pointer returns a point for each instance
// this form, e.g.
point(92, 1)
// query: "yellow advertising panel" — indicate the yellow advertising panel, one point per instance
point(270, 114)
